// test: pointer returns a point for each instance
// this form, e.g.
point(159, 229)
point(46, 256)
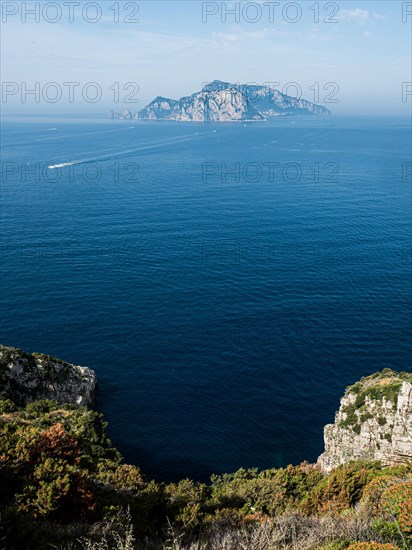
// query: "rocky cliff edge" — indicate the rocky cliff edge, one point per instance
point(26, 377)
point(374, 422)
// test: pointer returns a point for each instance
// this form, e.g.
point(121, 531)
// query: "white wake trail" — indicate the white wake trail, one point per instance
point(67, 136)
point(155, 145)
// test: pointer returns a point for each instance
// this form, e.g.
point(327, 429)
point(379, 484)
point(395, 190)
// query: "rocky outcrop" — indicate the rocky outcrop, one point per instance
point(27, 377)
point(272, 103)
point(221, 104)
point(126, 115)
point(374, 422)
point(161, 108)
point(224, 102)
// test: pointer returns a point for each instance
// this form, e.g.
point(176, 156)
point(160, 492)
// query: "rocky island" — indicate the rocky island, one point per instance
point(225, 102)
point(63, 484)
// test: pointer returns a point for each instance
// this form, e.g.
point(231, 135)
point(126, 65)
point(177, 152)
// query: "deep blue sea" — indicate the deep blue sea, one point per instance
point(225, 281)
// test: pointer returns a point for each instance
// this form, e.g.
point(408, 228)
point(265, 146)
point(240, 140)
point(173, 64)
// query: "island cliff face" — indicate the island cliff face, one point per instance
point(374, 422)
point(225, 102)
point(220, 104)
point(28, 377)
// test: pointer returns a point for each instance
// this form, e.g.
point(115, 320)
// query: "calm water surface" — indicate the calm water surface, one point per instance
point(226, 282)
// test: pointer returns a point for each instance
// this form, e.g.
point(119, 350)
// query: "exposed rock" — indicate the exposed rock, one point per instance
point(27, 377)
point(272, 103)
point(158, 109)
point(220, 105)
point(374, 422)
point(224, 102)
point(126, 115)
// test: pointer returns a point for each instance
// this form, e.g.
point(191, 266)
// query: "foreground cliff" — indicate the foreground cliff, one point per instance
point(63, 484)
point(226, 102)
point(374, 422)
point(26, 377)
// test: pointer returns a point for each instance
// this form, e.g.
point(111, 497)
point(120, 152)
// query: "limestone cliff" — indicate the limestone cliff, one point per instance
point(374, 422)
point(211, 105)
point(27, 377)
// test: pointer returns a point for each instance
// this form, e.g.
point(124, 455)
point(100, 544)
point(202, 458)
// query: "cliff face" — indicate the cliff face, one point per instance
point(374, 422)
point(221, 104)
point(272, 103)
point(27, 377)
point(158, 109)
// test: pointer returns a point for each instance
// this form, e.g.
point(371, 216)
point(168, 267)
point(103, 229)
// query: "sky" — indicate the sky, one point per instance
point(354, 57)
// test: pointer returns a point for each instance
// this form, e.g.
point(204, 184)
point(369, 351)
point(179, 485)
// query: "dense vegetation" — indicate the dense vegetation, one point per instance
point(64, 486)
point(380, 386)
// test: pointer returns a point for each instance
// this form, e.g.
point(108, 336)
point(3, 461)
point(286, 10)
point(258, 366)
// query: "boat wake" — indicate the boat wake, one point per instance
point(62, 165)
point(53, 137)
point(119, 153)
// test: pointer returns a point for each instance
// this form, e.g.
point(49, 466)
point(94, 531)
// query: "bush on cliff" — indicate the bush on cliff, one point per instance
point(65, 486)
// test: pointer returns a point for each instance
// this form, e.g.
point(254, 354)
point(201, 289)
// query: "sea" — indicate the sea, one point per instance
point(226, 281)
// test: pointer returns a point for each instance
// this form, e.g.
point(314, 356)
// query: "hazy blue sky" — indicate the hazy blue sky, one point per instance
point(176, 46)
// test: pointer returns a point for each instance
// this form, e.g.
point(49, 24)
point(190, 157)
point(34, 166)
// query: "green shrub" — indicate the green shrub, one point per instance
point(7, 406)
point(342, 488)
point(372, 495)
point(62, 481)
point(41, 406)
point(128, 478)
point(397, 503)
